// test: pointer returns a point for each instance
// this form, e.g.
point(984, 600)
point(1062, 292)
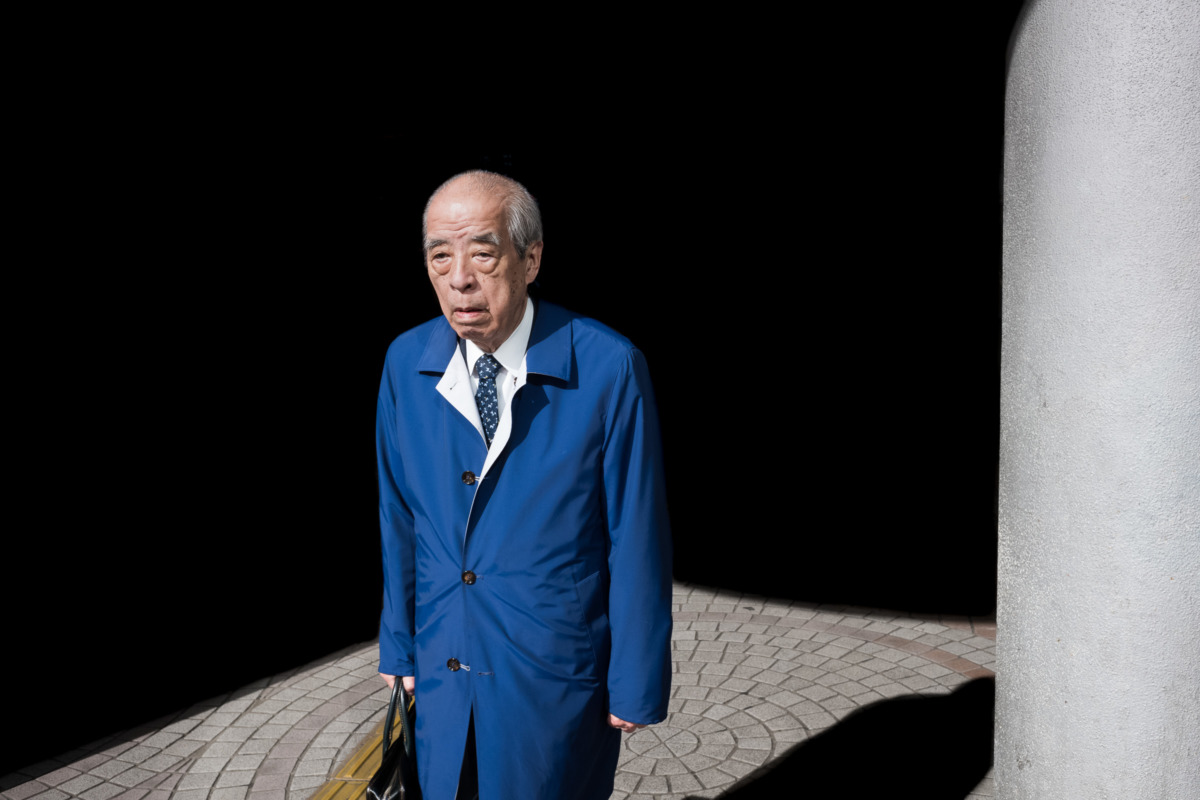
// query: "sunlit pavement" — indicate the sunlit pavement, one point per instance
point(753, 677)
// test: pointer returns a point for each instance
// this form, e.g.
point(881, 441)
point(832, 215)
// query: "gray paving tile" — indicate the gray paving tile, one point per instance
point(228, 793)
point(132, 777)
point(204, 733)
point(190, 794)
point(79, 784)
point(267, 794)
point(269, 782)
point(197, 780)
point(276, 766)
point(288, 750)
point(110, 768)
point(317, 766)
point(23, 790)
point(51, 794)
point(231, 778)
point(58, 776)
point(183, 748)
point(243, 762)
point(160, 763)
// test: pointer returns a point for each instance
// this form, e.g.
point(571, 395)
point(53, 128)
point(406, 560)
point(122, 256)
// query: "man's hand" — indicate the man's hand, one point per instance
point(410, 683)
point(629, 727)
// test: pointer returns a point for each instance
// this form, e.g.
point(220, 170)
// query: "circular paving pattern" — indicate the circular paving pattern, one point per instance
point(752, 677)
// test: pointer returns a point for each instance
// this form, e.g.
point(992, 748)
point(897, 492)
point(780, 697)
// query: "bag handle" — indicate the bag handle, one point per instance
point(406, 703)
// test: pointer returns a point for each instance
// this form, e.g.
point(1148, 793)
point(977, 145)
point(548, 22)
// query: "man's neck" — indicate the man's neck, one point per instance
point(511, 351)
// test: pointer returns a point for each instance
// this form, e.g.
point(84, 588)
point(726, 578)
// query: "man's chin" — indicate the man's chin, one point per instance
point(473, 333)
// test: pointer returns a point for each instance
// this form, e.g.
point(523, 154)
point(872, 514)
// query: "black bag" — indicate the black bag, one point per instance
point(396, 778)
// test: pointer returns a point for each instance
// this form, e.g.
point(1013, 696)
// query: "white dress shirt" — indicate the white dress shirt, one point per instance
point(511, 356)
point(460, 382)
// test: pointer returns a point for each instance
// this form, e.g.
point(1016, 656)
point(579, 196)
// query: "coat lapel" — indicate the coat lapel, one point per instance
point(549, 355)
point(455, 386)
point(442, 357)
point(550, 352)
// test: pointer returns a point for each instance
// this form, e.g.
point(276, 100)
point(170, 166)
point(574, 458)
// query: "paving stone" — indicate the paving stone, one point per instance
point(933, 670)
point(267, 794)
point(51, 794)
point(892, 690)
point(110, 768)
point(160, 763)
point(190, 794)
point(228, 793)
point(626, 781)
point(235, 778)
point(132, 777)
point(791, 736)
point(714, 777)
point(292, 750)
point(838, 702)
point(103, 791)
point(685, 782)
point(306, 782)
point(23, 790)
point(816, 693)
point(850, 688)
point(183, 748)
point(276, 766)
point(265, 782)
point(817, 721)
point(204, 733)
point(197, 780)
point(255, 746)
point(319, 766)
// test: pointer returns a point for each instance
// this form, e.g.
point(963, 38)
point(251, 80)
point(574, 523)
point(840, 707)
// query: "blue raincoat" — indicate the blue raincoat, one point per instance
point(528, 585)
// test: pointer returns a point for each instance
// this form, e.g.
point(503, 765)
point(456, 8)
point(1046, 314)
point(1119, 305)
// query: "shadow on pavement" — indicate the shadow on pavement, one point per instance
point(932, 747)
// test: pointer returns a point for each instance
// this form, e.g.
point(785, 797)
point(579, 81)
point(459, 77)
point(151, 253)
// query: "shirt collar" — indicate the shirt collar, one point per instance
point(511, 354)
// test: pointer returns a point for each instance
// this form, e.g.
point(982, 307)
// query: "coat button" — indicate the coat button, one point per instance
point(453, 665)
point(469, 478)
point(468, 577)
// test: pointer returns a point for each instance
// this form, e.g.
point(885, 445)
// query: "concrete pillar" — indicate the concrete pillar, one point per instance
point(1098, 647)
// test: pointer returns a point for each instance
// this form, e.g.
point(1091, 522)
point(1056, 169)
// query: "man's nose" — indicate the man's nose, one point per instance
point(462, 276)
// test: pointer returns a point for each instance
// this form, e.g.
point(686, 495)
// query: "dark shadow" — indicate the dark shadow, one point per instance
point(926, 746)
point(192, 429)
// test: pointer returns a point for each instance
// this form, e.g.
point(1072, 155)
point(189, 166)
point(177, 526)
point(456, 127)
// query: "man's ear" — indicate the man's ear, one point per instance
point(533, 261)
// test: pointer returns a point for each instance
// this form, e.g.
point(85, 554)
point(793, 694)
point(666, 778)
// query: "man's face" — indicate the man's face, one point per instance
point(479, 279)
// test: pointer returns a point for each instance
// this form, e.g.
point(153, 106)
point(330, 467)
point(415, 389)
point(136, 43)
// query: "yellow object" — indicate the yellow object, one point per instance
point(350, 782)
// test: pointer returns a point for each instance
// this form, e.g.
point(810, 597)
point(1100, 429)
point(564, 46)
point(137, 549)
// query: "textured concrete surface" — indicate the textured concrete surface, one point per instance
point(752, 677)
point(1099, 492)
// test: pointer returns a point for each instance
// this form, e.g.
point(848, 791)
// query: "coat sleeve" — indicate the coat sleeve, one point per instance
point(639, 562)
point(399, 541)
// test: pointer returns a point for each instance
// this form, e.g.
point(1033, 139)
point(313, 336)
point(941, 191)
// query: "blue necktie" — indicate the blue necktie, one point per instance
point(485, 397)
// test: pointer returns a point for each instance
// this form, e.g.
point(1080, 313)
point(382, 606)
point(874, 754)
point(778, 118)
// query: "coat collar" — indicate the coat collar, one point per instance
point(549, 352)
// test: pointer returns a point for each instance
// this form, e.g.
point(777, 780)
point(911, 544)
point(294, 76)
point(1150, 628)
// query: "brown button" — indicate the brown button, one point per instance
point(468, 577)
point(453, 665)
point(469, 478)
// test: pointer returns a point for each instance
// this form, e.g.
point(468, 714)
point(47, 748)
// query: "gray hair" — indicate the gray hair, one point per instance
point(521, 211)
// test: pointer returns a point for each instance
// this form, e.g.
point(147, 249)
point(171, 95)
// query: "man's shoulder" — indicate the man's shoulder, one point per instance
point(586, 331)
point(410, 346)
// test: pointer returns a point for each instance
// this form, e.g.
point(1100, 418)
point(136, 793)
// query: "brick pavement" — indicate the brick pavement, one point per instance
point(752, 677)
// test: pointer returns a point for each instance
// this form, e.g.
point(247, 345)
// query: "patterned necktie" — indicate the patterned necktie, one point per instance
point(485, 397)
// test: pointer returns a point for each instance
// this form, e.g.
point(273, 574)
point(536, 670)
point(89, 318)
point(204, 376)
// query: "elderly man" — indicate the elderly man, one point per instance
point(526, 550)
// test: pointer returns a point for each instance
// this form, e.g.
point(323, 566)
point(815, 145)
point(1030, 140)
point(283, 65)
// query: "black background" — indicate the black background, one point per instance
point(805, 242)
